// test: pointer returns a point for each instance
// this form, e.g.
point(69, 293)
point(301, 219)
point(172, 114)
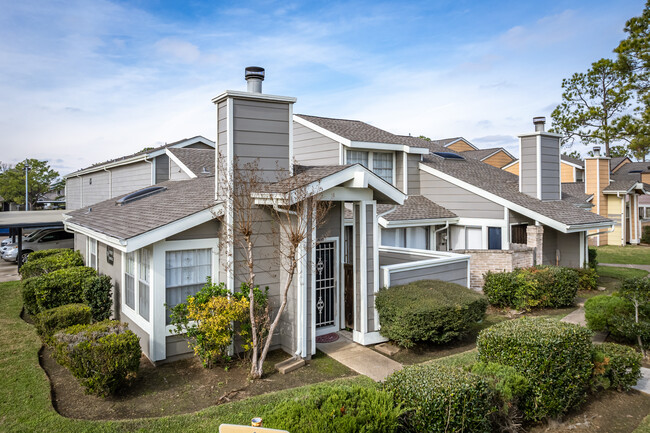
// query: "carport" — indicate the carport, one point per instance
point(17, 221)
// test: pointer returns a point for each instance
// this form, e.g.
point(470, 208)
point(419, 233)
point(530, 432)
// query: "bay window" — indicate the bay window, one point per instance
point(144, 279)
point(129, 281)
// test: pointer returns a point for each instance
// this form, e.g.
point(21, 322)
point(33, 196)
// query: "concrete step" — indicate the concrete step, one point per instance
point(289, 365)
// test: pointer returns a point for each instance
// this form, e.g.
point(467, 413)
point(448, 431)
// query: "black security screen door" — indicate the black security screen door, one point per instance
point(325, 284)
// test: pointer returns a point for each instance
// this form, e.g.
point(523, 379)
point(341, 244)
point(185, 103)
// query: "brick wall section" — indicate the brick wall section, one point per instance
point(535, 240)
point(482, 261)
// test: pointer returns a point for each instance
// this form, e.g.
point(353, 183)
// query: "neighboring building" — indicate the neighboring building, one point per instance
point(572, 169)
point(129, 173)
point(404, 209)
point(496, 157)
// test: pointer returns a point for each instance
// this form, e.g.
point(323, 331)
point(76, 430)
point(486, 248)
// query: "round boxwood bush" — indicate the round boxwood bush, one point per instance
point(49, 321)
point(97, 294)
point(428, 311)
point(340, 408)
point(554, 356)
point(104, 356)
point(61, 287)
point(40, 265)
point(442, 398)
point(620, 365)
point(604, 313)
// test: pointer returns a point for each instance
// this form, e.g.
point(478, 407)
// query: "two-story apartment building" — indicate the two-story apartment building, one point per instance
point(403, 209)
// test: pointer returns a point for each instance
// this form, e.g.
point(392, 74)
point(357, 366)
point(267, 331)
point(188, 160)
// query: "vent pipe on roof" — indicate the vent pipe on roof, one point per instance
point(254, 76)
point(597, 151)
point(539, 123)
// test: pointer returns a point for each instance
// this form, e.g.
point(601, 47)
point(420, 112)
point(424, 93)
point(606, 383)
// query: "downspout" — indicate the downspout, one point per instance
point(446, 227)
point(110, 182)
point(81, 192)
point(153, 174)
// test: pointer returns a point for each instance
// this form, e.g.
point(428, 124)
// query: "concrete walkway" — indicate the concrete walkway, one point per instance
point(359, 358)
point(642, 267)
point(8, 272)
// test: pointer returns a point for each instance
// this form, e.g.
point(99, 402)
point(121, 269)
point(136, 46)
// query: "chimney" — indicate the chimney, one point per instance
point(539, 163)
point(254, 76)
point(597, 171)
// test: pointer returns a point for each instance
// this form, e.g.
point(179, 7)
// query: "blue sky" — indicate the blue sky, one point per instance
point(86, 81)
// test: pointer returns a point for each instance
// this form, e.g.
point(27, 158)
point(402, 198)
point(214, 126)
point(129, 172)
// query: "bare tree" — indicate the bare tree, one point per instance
point(294, 212)
point(5, 166)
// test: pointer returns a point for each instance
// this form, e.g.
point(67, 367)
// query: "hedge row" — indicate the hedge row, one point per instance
point(61, 287)
point(428, 311)
point(104, 356)
point(50, 321)
point(45, 263)
point(536, 287)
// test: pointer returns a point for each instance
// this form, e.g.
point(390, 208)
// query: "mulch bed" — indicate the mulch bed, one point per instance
point(176, 388)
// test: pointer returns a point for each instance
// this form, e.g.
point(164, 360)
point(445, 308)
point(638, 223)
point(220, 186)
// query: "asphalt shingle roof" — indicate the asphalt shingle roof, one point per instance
point(353, 130)
point(574, 192)
point(181, 199)
point(415, 207)
point(433, 146)
point(142, 152)
point(304, 175)
point(573, 160)
point(196, 159)
point(506, 185)
point(616, 161)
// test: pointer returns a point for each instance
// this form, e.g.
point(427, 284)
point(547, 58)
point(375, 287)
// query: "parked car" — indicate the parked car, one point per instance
point(8, 243)
point(47, 240)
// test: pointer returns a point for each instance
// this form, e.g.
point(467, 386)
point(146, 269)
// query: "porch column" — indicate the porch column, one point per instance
point(535, 240)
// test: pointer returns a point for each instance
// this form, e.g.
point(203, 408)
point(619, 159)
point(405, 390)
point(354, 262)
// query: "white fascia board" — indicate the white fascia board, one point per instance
point(586, 227)
point(496, 199)
point(571, 164)
point(180, 164)
point(326, 132)
point(459, 139)
point(415, 223)
point(356, 173)
point(497, 151)
point(252, 97)
point(173, 228)
point(510, 165)
point(119, 244)
point(137, 158)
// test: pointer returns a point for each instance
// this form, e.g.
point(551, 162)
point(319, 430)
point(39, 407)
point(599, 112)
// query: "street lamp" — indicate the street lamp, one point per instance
point(27, 167)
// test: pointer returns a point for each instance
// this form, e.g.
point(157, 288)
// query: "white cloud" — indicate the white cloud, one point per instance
point(178, 50)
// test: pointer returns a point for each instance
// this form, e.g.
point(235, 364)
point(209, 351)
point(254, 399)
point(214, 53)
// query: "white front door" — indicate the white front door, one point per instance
point(326, 301)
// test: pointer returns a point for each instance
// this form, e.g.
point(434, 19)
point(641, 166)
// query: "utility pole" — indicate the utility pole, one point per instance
point(26, 186)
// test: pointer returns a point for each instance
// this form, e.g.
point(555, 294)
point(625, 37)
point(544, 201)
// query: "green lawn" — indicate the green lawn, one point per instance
point(25, 390)
point(627, 255)
point(620, 273)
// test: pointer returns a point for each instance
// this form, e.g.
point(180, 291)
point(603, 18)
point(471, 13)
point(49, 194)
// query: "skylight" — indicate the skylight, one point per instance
point(146, 192)
point(448, 155)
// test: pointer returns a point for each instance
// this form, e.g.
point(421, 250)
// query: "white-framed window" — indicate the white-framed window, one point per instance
point(144, 280)
point(129, 281)
point(92, 253)
point(186, 272)
point(380, 163)
point(409, 237)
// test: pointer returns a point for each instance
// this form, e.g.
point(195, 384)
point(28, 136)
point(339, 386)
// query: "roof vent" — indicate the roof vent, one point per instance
point(635, 171)
point(254, 76)
point(205, 171)
point(146, 192)
point(449, 155)
point(597, 151)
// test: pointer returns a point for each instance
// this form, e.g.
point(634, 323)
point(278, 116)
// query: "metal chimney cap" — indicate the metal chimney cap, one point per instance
point(539, 119)
point(596, 151)
point(254, 72)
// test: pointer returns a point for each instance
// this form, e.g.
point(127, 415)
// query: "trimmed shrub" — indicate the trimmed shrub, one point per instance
point(64, 258)
point(536, 287)
point(57, 288)
point(603, 313)
point(587, 279)
point(429, 310)
point(645, 238)
point(52, 320)
point(97, 294)
point(337, 409)
point(104, 356)
point(616, 366)
point(442, 398)
point(510, 387)
point(36, 255)
point(554, 356)
point(593, 258)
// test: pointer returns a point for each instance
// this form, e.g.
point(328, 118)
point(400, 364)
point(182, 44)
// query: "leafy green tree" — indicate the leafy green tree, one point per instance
point(40, 179)
point(594, 106)
point(637, 291)
point(634, 58)
point(573, 154)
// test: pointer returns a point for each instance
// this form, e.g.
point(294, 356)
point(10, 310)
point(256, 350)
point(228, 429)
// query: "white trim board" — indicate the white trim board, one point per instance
point(180, 164)
point(564, 228)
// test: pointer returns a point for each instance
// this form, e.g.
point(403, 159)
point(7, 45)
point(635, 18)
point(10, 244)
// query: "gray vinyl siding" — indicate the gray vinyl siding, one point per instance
point(162, 168)
point(458, 200)
point(313, 148)
point(370, 260)
point(399, 170)
point(413, 164)
point(207, 230)
point(175, 172)
point(450, 272)
point(141, 333)
point(176, 348)
point(222, 127)
point(550, 156)
point(549, 246)
point(528, 165)
point(80, 244)
point(129, 178)
point(114, 271)
point(331, 227)
point(357, 269)
point(567, 245)
point(517, 218)
point(96, 190)
point(73, 193)
point(261, 135)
